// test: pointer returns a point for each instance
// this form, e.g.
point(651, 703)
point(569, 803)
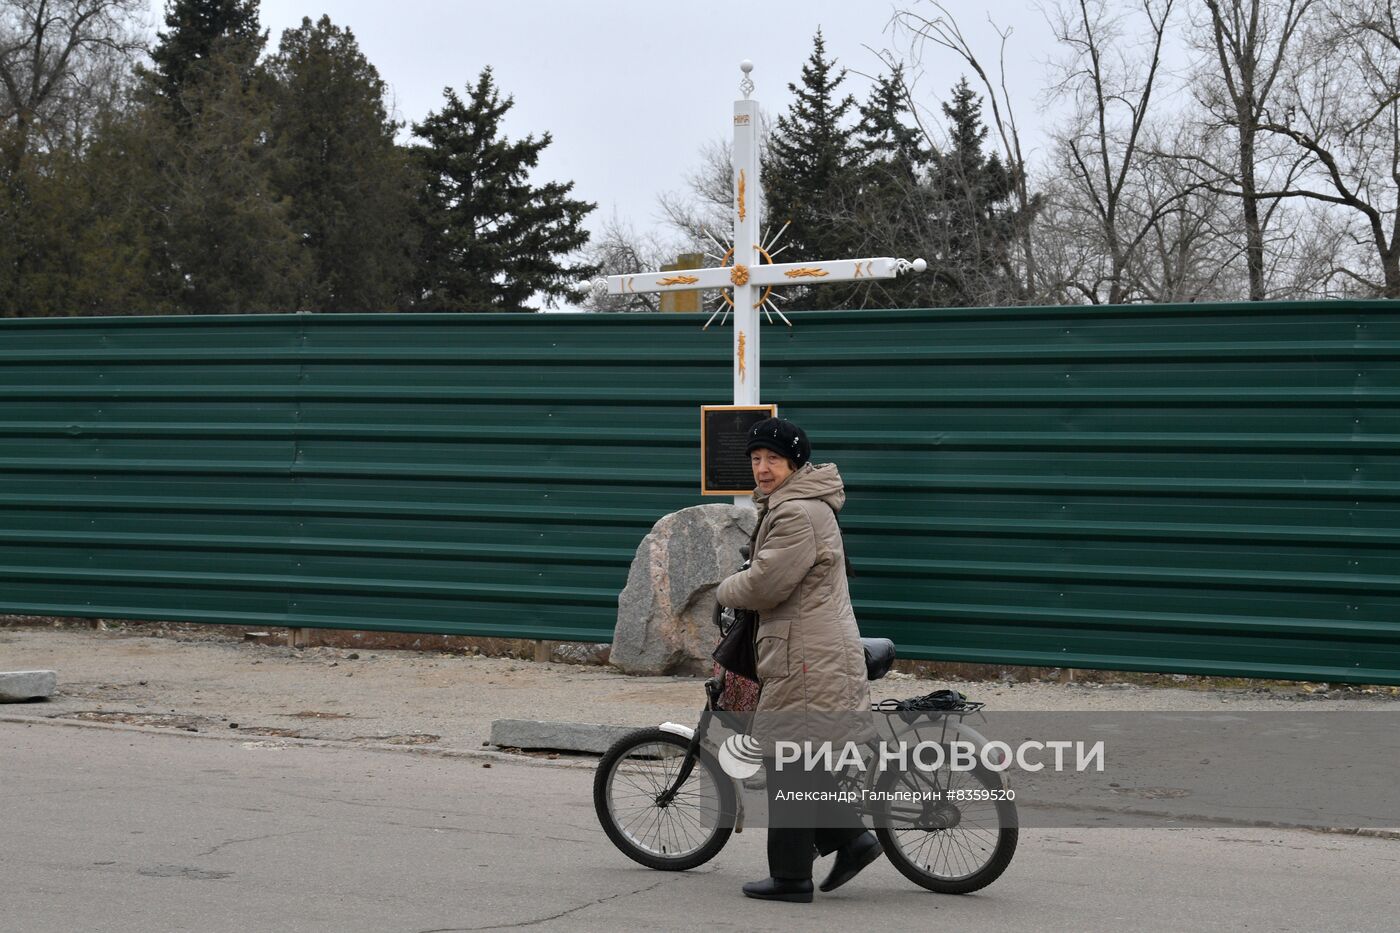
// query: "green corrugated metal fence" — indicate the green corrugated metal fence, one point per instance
point(1195, 488)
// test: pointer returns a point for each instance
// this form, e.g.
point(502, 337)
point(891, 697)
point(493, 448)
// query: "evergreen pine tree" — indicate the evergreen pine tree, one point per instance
point(228, 242)
point(41, 208)
point(220, 232)
point(975, 219)
point(346, 181)
point(491, 240)
point(121, 188)
point(894, 205)
point(884, 134)
point(199, 33)
point(809, 175)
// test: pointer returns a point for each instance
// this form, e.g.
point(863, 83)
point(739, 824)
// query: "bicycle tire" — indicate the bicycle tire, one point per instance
point(629, 831)
point(980, 855)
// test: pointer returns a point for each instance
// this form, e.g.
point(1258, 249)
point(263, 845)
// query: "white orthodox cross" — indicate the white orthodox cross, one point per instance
point(740, 269)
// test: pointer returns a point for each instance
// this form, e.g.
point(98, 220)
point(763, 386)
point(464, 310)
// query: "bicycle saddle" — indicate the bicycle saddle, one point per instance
point(879, 657)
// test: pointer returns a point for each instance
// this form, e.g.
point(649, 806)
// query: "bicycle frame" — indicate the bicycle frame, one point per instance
point(714, 687)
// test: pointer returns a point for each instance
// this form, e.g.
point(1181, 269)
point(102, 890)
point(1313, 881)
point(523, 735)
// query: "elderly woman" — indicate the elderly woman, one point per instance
point(810, 658)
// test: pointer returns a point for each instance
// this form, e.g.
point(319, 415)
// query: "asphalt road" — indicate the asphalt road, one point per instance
point(115, 831)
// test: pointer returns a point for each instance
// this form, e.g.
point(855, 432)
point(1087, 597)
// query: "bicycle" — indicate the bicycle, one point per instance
point(666, 803)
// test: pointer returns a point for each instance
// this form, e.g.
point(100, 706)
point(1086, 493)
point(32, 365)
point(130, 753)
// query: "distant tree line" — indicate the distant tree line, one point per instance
point(1197, 150)
point(218, 175)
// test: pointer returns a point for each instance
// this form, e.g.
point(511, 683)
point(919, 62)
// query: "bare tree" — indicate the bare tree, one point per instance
point(1110, 82)
point(1304, 245)
point(703, 208)
point(1192, 250)
point(1338, 107)
point(930, 27)
point(1250, 42)
point(56, 57)
point(618, 249)
point(704, 205)
point(698, 216)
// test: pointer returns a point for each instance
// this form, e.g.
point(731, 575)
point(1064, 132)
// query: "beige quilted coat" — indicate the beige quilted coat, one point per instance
point(809, 654)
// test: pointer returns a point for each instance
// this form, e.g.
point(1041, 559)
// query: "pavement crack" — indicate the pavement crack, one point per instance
point(230, 842)
point(562, 913)
point(402, 807)
point(476, 831)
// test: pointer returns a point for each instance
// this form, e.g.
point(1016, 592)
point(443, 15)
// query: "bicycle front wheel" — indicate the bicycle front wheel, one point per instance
point(683, 833)
point(959, 835)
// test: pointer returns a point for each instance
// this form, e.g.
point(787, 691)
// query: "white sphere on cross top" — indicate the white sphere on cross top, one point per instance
point(746, 66)
point(920, 265)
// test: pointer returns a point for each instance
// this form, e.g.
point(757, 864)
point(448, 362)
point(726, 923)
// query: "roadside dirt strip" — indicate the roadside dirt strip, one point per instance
point(410, 699)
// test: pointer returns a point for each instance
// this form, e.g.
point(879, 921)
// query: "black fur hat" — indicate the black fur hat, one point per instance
point(781, 437)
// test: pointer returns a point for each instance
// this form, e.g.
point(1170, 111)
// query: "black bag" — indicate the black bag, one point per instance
point(936, 702)
point(736, 651)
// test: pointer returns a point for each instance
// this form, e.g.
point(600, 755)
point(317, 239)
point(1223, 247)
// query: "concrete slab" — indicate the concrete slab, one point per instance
point(18, 686)
point(562, 736)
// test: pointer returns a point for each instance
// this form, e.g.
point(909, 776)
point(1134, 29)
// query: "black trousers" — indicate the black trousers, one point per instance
point(791, 849)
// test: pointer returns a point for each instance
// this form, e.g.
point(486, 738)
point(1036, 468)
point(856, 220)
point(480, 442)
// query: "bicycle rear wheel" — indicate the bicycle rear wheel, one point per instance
point(956, 843)
point(684, 833)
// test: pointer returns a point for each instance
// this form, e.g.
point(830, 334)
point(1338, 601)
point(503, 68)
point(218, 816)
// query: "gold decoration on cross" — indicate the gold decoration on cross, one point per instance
point(743, 341)
point(739, 275)
point(724, 262)
point(679, 280)
point(806, 273)
point(742, 211)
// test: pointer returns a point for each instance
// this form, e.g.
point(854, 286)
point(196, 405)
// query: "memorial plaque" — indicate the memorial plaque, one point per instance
point(724, 433)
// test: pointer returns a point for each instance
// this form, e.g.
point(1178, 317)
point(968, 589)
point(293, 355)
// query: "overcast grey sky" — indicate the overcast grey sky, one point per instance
point(632, 90)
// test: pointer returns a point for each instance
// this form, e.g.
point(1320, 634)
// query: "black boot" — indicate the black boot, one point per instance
point(781, 889)
point(850, 859)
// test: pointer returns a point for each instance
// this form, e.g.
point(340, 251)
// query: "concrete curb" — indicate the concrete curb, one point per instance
point(429, 751)
point(595, 738)
point(22, 686)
